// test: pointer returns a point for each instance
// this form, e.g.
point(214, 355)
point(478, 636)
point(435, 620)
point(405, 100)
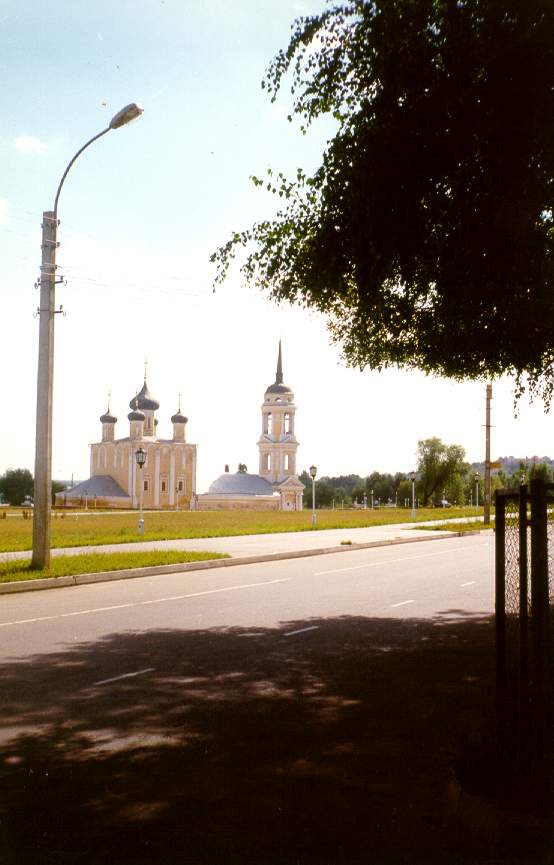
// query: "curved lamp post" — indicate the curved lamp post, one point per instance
point(45, 375)
point(313, 473)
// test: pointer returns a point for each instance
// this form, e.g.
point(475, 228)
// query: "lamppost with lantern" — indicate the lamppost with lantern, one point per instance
point(477, 477)
point(412, 476)
point(140, 457)
point(42, 521)
point(313, 473)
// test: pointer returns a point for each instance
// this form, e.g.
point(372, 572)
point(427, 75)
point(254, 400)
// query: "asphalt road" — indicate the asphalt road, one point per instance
point(444, 580)
point(294, 712)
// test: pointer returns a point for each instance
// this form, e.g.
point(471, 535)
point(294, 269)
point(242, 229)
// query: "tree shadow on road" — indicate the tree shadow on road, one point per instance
point(325, 741)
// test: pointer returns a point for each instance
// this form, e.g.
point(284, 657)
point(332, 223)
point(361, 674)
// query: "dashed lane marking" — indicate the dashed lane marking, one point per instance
point(124, 676)
point(470, 583)
point(388, 561)
point(301, 631)
point(144, 603)
point(403, 603)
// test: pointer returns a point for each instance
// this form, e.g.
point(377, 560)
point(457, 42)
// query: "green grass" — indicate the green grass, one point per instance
point(459, 527)
point(87, 528)
point(93, 563)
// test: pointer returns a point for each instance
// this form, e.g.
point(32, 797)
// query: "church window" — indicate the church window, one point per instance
point(145, 486)
point(287, 423)
point(164, 486)
point(287, 462)
point(180, 486)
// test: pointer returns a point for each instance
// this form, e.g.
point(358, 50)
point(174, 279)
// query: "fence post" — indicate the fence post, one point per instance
point(523, 608)
point(500, 608)
point(539, 630)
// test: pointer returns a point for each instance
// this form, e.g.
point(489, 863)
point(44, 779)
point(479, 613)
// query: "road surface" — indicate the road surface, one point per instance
point(444, 579)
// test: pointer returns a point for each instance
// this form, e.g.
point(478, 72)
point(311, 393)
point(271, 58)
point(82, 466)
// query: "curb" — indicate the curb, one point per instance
point(209, 564)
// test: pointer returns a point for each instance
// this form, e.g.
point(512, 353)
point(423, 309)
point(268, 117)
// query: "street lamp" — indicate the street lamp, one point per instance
point(45, 375)
point(140, 457)
point(313, 473)
point(477, 476)
point(412, 476)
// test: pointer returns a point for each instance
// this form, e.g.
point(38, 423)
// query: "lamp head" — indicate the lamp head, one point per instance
point(313, 472)
point(130, 112)
point(412, 476)
point(140, 457)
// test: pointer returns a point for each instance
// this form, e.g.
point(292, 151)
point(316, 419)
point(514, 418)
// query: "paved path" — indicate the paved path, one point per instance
point(250, 545)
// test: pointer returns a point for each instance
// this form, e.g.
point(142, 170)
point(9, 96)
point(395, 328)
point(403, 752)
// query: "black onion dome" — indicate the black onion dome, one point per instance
point(145, 400)
point(179, 418)
point(137, 414)
point(278, 387)
point(108, 418)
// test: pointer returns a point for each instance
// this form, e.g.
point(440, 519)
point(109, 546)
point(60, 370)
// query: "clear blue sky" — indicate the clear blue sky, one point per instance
point(142, 210)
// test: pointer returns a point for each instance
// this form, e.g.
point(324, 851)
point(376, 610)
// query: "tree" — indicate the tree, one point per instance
point(345, 484)
point(383, 486)
point(324, 491)
point(15, 484)
point(438, 467)
point(57, 487)
point(426, 234)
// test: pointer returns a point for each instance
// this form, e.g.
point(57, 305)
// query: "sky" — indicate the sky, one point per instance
point(140, 213)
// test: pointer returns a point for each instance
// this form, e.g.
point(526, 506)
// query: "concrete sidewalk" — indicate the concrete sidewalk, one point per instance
point(248, 545)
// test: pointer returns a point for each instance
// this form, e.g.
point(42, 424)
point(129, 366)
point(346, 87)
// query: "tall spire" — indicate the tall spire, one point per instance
point(279, 374)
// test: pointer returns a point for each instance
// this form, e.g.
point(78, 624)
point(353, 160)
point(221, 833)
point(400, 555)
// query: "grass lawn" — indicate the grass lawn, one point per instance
point(93, 563)
point(459, 527)
point(86, 528)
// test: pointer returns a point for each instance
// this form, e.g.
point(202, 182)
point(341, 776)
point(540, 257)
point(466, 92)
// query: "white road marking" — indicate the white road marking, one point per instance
point(124, 676)
point(388, 562)
point(301, 631)
point(471, 583)
point(403, 603)
point(144, 603)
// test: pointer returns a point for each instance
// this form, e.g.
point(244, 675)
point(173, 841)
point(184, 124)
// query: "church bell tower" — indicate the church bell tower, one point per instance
point(277, 444)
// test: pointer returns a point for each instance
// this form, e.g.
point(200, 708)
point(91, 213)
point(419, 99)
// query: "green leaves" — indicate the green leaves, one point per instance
point(426, 233)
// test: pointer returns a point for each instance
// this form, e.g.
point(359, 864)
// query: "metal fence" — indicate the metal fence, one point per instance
point(524, 619)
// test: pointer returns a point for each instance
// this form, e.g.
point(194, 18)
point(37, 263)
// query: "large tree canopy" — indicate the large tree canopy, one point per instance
point(426, 235)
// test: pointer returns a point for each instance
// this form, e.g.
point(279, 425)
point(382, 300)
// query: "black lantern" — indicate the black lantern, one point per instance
point(140, 457)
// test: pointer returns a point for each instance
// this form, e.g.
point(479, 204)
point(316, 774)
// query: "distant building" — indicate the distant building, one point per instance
point(168, 477)
point(277, 486)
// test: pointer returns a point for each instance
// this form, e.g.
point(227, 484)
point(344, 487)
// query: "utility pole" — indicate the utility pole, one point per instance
point(487, 490)
point(45, 389)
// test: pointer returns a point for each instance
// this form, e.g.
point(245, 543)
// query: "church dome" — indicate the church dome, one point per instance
point(145, 400)
point(278, 387)
point(137, 414)
point(240, 484)
point(108, 418)
point(179, 418)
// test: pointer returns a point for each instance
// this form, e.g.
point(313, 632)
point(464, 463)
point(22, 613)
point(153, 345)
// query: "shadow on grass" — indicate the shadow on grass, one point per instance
point(334, 745)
